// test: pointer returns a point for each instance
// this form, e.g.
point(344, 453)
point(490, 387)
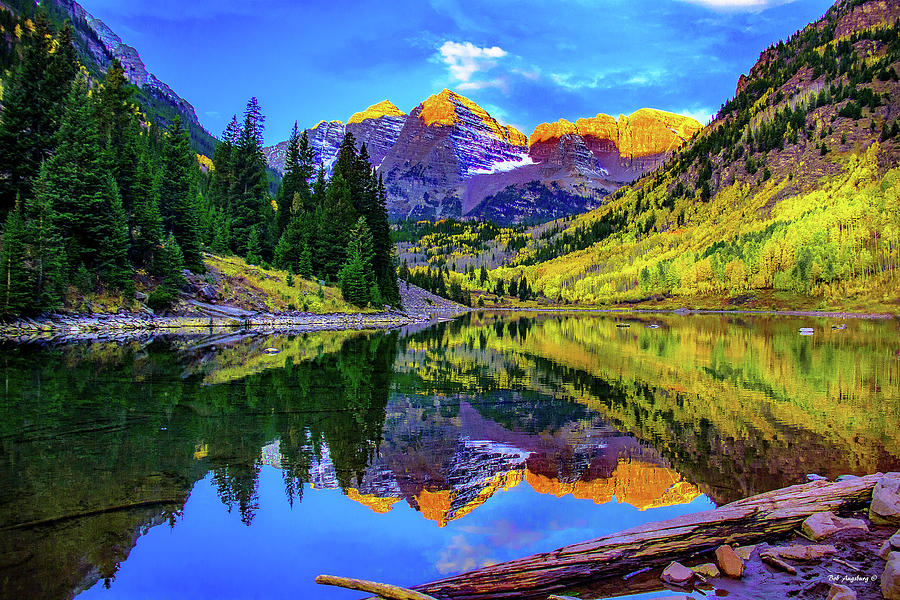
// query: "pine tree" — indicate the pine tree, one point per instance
point(76, 182)
point(15, 296)
point(32, 108)
point(383, 263)
point(120, 131)
point(168, 264)
point(46, 256)
point(114, 263)
point(253, 247)
point(336, 221)
point(222, 178)
point(356, 273)
point(524, 291)
point(249, 196)
point(178, 203)
point(293, 195)
point(291, 246)
point(146, 231)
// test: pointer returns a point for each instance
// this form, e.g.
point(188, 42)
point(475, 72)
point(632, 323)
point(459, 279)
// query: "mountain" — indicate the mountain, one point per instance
point(98, 45)
point(788, 198)
point(450, 158)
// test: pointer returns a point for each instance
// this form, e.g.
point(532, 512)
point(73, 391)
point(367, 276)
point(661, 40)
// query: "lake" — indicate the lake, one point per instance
point(204, 467)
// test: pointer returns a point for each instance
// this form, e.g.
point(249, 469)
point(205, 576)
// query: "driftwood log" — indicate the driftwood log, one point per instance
point(383, 590)
point(748, 521)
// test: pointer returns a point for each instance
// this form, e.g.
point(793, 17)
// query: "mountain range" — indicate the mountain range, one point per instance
point(450, 158)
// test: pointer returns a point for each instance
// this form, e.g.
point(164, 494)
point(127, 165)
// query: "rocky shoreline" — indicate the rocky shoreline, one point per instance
point(125, 326)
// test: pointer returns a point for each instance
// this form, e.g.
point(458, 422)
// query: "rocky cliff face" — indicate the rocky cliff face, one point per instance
point(101, 45)
point(619, 150)
point(450, 158)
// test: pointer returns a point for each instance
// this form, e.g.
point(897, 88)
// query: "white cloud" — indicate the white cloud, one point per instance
point(703, 114)
point(738, 5)
point(465, 59)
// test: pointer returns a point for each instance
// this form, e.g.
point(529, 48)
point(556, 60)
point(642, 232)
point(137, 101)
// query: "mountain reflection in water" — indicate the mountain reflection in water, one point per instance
point(461, 429)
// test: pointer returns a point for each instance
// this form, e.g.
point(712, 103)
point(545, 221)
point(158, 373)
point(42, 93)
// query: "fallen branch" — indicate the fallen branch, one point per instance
point(752, 520)
point(391, 592)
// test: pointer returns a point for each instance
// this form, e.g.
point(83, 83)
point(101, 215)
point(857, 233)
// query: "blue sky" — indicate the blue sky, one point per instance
point(525, 61)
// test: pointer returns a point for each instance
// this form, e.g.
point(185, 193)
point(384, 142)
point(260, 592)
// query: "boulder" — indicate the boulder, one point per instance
point(892, 544)
point(890, 579)
point(706, 570)
point(821, 525)
point(799, 552)
point(677, 574)
point(840, 592)
point(745, 551)
point(885, 507)
point(208, 292)
point(729, 562)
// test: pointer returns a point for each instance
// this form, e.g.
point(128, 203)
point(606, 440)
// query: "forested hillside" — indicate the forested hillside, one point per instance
point(95, 200)
point(96, 46)
point(789, 195)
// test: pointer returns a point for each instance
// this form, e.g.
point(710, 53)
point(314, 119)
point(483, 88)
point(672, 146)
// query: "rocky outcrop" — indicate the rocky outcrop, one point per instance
point(104, 45)
point(602, 146)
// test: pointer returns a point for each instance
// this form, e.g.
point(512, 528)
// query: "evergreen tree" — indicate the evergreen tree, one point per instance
point(336, 221)
point(291, 246)
point(222, 178)
point(249, 191)
point(146, 231)
point(294, 194)
point(114, 264)
point(46, 256)
point(120, 131)
point(168, 264)
point(14, 286)
point(76, 183)
point(253, 247)
point(33, 100)
point(383, 263)
point(524, 291)
point(356, 274)
point(178, 203)
point(482, 275)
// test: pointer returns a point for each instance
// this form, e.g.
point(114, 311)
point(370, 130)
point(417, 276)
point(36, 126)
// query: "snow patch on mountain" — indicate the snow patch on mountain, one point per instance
point(504, 166)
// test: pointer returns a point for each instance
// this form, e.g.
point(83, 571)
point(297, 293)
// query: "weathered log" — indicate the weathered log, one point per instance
point(748, 521)
point(391, 592)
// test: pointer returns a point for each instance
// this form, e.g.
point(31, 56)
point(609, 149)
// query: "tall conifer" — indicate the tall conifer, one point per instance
point(178, 195)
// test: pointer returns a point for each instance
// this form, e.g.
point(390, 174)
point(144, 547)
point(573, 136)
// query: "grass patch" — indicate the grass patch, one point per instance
point(245, 285)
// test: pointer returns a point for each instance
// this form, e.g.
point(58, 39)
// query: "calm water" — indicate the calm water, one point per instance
point(205, 468)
